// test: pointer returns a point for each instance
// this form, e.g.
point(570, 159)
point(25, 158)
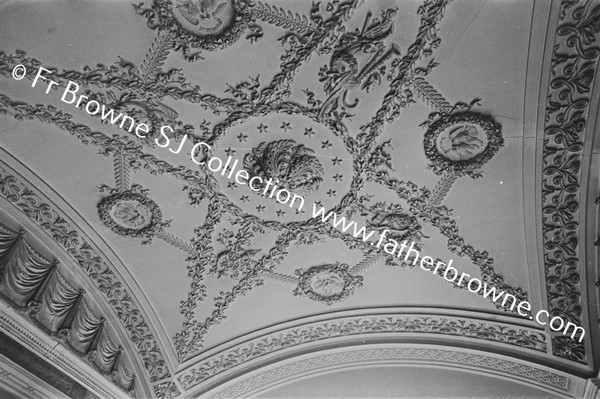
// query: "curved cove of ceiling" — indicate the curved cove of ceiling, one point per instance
point(464, 129)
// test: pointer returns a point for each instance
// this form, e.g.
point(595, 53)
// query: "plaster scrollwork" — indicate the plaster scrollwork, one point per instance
point(166, 390)
point(575, 58)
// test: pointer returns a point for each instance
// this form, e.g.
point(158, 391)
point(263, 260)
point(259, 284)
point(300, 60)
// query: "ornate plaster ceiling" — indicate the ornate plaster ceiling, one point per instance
point(174, 280)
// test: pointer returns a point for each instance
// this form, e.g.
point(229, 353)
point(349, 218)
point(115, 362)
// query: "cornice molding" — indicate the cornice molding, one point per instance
point(58, 355)
point(43, 213)
point(18, 381)
point(592, 389)
point(55, 300)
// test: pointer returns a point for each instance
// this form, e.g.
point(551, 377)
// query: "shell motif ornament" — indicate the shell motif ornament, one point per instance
point(290, 165)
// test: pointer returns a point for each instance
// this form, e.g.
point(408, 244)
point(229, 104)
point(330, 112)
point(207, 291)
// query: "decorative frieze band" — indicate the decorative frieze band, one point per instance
point(574, 67)
point(360, 325)
point(453, 358)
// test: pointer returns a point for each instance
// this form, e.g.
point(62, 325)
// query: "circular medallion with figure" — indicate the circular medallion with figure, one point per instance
point(130, 214)
point(462, 142)
point(204, 17)
point(327, 283)
point(200, 24)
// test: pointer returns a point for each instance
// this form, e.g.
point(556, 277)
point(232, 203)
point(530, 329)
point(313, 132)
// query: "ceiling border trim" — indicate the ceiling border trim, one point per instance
point(498, 366)
point(574, 65)
point(285, 340)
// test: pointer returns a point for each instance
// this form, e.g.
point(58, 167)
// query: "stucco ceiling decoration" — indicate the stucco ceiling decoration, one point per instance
point(177, 279)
